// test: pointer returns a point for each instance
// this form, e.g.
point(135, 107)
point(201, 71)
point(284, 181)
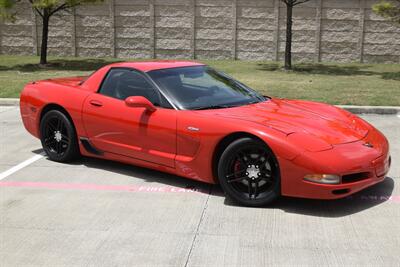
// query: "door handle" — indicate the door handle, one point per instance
point(96, 103)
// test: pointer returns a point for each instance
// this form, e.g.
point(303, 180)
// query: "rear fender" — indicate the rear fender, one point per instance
point(36, 99)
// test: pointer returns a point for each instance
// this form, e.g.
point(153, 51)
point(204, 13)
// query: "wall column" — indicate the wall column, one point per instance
point(234, 29)
point(73, 32)
point(276, 35)
point(193, 29)
point(318, 31)
point(1, 36)
point(152, 27)
point(35, 49)
point(112, 27)
point(362, 29)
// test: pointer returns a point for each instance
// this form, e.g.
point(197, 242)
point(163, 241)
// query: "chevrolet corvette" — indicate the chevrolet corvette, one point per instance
point(188, 119)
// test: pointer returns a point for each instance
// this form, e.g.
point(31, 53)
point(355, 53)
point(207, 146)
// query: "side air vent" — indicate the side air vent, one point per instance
point(89, 147)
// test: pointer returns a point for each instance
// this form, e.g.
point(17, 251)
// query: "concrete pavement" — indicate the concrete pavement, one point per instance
point(99, 213)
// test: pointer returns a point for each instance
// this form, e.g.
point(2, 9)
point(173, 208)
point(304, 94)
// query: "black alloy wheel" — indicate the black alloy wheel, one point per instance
point(58, 137)
point(248, 172)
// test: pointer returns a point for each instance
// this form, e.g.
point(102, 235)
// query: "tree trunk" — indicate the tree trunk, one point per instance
point(288, 50)
point(45, 37)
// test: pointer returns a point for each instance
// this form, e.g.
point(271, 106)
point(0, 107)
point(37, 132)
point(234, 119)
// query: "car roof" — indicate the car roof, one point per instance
point(146, 66)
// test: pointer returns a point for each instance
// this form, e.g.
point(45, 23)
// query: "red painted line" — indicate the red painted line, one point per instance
point(97, 187)
point(157, 189)
point(393, 199)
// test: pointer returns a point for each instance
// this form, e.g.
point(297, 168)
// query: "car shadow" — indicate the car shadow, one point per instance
point(144, 174)
point(368, 198)
point(365, 199)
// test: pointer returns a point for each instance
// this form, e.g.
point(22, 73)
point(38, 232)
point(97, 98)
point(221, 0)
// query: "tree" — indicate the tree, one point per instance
point(45, 9)
point(388, 10)
point(289, 24)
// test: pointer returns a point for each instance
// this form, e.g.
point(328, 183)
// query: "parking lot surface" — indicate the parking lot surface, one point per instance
point(99, 213)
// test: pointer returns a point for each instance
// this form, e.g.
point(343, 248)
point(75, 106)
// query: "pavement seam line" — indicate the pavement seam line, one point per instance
point(198, 227)
point(20, 166)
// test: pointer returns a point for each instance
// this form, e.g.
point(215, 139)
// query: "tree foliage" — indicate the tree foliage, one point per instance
point(389, 10)
point(46, 9)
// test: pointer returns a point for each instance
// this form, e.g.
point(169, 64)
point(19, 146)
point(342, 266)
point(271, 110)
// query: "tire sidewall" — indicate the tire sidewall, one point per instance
point(227, 155)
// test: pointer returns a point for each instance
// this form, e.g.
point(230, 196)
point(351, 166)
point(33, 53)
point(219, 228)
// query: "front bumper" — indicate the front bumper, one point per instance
point(358, 165)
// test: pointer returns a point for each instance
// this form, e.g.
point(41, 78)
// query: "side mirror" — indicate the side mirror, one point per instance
point(140, 102)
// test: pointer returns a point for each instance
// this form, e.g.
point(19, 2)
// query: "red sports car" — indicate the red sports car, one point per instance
point(188, 119)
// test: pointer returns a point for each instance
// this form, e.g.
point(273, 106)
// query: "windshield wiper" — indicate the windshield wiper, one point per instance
point(253, 102)
point(213, 107)
point(226, 106)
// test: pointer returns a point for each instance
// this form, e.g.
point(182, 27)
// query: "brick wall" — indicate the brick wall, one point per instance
point(324, 30)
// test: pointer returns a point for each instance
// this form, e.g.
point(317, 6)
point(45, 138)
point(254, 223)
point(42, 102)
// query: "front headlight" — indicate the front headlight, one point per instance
point(323, 178)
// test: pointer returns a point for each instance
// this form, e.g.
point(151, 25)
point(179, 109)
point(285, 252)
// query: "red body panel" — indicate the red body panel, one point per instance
point(306, 137)
point(116, 128)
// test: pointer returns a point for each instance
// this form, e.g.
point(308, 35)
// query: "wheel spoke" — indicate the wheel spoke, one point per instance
point(65, 142)
point(249, 188)
point(267, 179)
point(266, 172)
point(65, 137)
point(256, 189)
point(234, 174)
point(243, 159)
point(59, 124)
point(50, 142)
point(253, 151)
point(263, 166)
point(56, 148)
point(260, 160)
point(59, 148)
point(51, 127)
point(237, 179)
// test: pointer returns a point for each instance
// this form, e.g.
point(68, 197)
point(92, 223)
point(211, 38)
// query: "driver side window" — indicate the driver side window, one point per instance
point(122, 83)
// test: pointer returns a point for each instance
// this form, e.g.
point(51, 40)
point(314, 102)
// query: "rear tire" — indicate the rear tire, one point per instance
point(248, 172)
point(58, 137)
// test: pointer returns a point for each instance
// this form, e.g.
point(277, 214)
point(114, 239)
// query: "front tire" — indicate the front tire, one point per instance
point(248, 172)
point(58, 137)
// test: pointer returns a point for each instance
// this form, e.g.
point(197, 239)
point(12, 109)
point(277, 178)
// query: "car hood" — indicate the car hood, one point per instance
point(331, 124)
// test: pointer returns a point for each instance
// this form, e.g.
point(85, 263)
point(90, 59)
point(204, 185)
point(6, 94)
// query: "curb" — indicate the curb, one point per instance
point(9, 101)
point(381, 110)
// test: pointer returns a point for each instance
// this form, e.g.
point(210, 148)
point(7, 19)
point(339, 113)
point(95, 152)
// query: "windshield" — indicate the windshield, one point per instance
point(202, 87)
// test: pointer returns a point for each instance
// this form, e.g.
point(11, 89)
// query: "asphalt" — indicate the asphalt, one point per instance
point(99, 213)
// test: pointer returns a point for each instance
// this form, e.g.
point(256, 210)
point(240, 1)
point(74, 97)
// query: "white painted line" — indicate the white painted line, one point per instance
point(20, 166)
point(398, 116)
